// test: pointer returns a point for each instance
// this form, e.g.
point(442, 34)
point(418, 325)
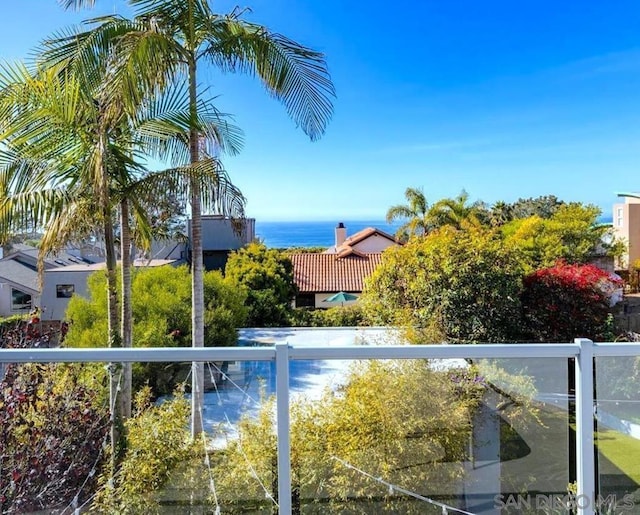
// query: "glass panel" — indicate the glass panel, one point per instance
point(54, 423)
point(417, 436)
point(382, 436)
point(618, 432)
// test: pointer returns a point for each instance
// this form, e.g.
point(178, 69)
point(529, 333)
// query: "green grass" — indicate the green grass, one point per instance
point(621, 450)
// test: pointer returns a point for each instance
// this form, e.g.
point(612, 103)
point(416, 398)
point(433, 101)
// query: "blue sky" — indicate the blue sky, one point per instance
point(504, 99)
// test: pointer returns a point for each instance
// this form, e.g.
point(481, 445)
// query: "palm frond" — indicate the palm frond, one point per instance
point(77, 4)
point(218, 193)
point(294, 74)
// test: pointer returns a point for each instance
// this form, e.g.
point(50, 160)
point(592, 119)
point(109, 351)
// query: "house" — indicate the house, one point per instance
point(61, 283)
point(344, 267)
point(66, 274)
point(366, 241)
point(19, 281)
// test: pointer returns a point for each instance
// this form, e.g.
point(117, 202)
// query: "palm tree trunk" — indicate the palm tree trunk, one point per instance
point(115, 369)
point(126, 327)
point(197, 265)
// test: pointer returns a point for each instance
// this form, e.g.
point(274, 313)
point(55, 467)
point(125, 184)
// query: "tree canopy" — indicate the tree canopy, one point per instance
point(266, 277)
point(162, 317)
point(571, 233)
point(452, 285)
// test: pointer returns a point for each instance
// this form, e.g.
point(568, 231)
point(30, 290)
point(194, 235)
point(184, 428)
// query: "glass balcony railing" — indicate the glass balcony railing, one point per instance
point(313, 429)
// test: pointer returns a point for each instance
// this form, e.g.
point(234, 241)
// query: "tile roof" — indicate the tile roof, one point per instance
point(331, 273)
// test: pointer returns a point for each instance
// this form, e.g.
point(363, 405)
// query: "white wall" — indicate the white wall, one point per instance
point(5, 300)
point(54, 307)
point(373, 244)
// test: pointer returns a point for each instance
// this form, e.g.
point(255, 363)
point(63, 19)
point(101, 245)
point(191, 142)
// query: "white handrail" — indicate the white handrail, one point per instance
point(582, 349)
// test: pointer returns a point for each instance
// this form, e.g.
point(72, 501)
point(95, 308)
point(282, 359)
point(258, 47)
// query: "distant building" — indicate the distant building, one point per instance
point(344, 267)
point(19, 282)
point(626, 226)
point(66, 274)
point(62, 283)
point(221, 236)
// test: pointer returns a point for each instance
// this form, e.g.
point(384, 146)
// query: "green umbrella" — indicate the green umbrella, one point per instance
point(341, 297)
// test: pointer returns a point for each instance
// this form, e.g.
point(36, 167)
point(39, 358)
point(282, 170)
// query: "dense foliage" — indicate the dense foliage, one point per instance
point(158, 442)
point(162, 317)
point(571, 233)
point(567, 301)
point(339, 316)
point(380, 421)
point(452, 285)
point(52, 432)
point(266, 276)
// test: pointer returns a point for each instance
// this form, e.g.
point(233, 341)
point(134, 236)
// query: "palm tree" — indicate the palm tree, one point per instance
point(166, 42)
point(501, 213)
point(61, 155)
point(457, 212)
point(416, 213)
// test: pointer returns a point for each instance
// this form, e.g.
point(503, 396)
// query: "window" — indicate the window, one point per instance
point(20, 301)
point(65, 291)
point(619, 217)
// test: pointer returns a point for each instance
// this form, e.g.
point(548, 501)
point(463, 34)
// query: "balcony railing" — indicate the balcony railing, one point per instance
point(582, 350)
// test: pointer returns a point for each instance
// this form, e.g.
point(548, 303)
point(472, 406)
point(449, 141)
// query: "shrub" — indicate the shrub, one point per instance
point(566, 301)
point(266, 275)
point(161, 301)
point(347, 316)
point(52, 430)
point(158, 442)
point(456, 285)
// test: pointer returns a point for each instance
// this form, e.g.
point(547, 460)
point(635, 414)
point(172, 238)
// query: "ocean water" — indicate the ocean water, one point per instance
point(312, 234)
point(322, 234)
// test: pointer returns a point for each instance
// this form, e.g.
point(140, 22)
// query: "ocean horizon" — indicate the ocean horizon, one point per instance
point(313, 233)
point(321, 233)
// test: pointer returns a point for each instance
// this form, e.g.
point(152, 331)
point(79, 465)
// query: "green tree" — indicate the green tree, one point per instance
point(500, 213)
point(266, 275)
point(456, 212)
point(544, 206)
point(69, 144)
point(415, 212)
point(161, 313)
point(571, 234)
point(458, 286)
point(166, 42)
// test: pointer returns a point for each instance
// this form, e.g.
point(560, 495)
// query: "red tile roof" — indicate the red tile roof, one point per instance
point(317, 273)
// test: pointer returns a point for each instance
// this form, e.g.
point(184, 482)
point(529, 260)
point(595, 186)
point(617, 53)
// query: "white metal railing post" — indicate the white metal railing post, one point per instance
point(585, 460)
point(284, 442)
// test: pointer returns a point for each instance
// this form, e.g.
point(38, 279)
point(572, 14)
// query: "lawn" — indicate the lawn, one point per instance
point(620, 450)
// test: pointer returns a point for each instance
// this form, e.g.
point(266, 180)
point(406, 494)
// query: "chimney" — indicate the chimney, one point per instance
point(341, 234)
